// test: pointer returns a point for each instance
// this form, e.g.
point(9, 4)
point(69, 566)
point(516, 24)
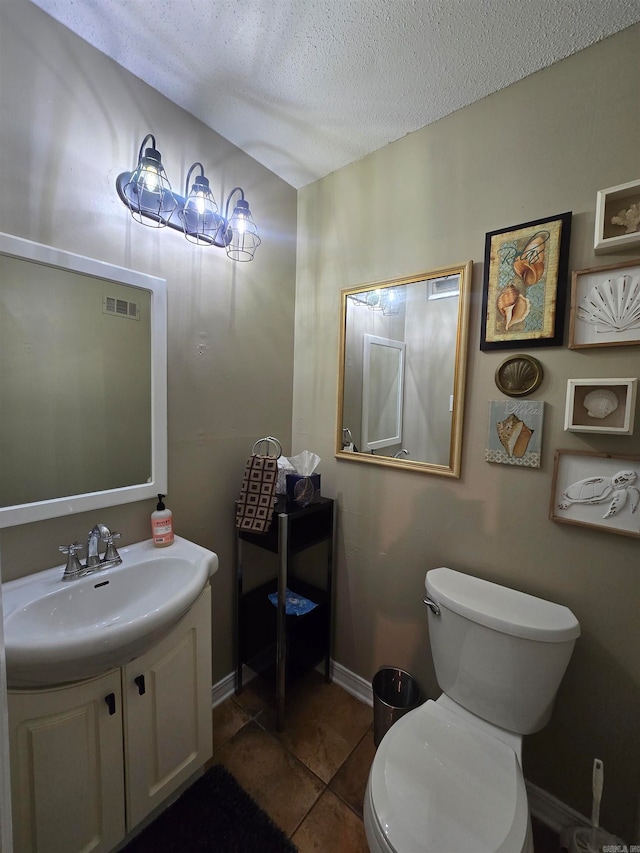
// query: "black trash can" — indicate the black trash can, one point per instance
point(394, 693)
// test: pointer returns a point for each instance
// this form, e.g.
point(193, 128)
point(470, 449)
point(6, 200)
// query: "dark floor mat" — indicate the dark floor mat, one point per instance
point(214, 815)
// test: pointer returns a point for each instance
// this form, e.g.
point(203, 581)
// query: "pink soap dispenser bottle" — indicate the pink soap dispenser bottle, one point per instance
point(162, 525)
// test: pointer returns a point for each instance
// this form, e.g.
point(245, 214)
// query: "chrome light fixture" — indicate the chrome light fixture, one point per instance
point(388, 300)
point(147, 193)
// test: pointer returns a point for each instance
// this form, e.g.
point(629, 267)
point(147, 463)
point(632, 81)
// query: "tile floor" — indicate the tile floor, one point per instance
point(311, 777)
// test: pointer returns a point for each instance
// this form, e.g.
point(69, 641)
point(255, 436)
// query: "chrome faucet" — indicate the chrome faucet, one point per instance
point(100, 533)
point(400, 454)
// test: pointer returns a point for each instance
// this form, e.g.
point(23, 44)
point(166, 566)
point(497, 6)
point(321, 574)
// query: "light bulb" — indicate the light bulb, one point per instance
point(200, 203)
point(151, 178)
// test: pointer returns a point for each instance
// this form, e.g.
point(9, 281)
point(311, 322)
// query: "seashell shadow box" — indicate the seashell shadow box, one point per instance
point(601, 405)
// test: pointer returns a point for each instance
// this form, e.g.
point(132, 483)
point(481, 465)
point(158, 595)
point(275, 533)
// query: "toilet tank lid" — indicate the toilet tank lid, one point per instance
point(506, 610)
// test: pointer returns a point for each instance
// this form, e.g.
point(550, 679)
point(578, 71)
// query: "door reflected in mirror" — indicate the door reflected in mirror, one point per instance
point(382, 392)
point(402, 371)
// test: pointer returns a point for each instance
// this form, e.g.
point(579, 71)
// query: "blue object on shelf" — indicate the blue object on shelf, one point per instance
point(295, 605)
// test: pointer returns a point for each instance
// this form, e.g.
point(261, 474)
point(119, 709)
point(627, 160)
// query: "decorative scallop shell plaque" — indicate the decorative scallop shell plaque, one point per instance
point(519, 375)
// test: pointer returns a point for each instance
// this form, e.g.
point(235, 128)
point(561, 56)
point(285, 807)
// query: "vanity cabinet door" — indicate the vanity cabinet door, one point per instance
point(67, 767)
point(167, 707)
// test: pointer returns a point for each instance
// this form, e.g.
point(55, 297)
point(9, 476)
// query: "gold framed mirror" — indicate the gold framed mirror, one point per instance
point(403, 353)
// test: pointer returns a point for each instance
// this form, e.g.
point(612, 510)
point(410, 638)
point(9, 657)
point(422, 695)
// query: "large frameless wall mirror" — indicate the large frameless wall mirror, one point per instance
point(83, 389)
point(403, 348)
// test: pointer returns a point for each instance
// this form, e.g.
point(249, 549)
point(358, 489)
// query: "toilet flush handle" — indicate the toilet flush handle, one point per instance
point(432, 605)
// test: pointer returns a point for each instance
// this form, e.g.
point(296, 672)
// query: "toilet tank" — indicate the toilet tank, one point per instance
point(499, 653)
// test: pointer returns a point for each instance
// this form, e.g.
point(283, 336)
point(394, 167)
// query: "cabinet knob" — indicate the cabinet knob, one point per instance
point(139, 680)
point(110, 699)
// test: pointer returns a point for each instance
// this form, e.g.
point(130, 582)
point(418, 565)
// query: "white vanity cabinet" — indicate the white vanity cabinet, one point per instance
point(90, 760)
point(168, 731)
point(67, 768)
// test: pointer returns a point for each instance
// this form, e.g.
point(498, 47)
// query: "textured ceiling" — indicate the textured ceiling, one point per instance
point(307, 86)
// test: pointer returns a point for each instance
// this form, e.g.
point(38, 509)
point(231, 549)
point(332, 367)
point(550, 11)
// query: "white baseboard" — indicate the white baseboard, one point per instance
point(349, 681)
point(223, 689)
point(227, 685)
point(551, 811)
point(546, 808)
point(352, 683)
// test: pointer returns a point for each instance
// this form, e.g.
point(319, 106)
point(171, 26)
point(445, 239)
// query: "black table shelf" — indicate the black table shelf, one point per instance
point(276, 645)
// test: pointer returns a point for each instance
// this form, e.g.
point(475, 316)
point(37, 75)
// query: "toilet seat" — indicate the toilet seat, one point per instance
point(437, 784)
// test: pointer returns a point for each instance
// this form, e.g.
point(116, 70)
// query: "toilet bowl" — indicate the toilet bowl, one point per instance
point(440, 785)
point(447, 776)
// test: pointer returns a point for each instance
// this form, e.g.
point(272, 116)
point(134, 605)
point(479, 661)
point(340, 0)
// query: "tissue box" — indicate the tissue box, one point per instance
point(306, 498)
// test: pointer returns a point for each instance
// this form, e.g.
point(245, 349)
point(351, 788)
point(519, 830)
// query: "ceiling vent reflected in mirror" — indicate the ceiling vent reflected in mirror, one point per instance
point(441, 288)
point(120, 307)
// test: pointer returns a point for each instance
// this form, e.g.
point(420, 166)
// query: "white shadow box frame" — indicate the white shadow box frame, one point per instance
point(601, 405)
point(596, 490)
point(605, 306)
point(615, 209)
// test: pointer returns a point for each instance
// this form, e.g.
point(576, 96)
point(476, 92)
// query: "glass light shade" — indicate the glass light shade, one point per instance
point(242, 232)
point(200, 216)
point(390, 302)
point(148, 191)
point(374, 300)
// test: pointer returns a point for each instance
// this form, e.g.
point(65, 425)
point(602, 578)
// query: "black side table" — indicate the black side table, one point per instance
point(268, 639)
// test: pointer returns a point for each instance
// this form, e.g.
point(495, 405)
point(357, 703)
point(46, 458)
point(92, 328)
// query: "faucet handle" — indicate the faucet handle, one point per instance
point(111, 553)
point(73, 569)
point(71, 549)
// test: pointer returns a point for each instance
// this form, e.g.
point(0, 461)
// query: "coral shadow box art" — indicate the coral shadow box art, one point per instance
point(605, 306)
point(596, 490)
point(525, 284)
point(617, 218)
point(601, 405)
point(515, 432)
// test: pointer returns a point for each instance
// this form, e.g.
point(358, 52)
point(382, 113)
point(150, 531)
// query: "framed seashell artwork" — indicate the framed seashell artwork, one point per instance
point(596, 490)
point(601, 405)
point(515, 432)
point(617, 218)
point(525, 284)
point(605, 306)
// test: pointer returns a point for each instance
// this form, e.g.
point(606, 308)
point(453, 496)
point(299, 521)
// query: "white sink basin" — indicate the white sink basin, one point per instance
point(58, 632)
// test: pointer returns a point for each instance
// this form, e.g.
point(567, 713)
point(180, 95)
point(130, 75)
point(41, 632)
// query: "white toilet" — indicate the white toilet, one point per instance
point(447, 776)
